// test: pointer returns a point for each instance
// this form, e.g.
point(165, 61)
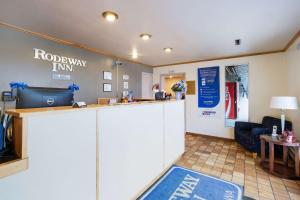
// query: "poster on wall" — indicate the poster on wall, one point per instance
point(209, 90)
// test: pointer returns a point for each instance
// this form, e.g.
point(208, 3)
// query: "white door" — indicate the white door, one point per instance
point(147, 81)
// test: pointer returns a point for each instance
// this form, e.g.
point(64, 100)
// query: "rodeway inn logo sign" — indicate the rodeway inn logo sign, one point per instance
point(59, 63)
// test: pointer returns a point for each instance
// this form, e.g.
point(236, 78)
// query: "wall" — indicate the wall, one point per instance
point(17, 63)
point(267, 78)
point(293, 63)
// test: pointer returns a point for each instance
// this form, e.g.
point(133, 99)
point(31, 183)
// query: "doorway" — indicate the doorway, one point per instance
point(168, 80)
point(147, 81)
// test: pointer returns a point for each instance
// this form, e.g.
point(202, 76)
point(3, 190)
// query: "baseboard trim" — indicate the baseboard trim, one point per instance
point(209, 136)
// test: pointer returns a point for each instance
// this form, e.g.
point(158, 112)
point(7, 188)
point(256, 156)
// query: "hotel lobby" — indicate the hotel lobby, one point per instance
point(149, 100)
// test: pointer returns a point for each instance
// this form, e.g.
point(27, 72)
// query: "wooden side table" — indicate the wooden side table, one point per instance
point(279, 169)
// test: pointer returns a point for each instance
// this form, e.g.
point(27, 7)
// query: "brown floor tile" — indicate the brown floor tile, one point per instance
point(229, 161)
point(294, 196)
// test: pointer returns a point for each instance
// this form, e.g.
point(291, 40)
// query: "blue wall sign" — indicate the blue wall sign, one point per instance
point(208, 87)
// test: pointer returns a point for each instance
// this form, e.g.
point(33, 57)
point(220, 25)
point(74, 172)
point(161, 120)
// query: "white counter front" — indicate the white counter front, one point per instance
point(99, 152)
point(137, 146)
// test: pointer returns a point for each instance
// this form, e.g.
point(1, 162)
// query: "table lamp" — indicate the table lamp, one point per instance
point(284, 103)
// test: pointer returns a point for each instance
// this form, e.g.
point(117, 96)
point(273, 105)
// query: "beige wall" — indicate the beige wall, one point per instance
point(267, 78)
point(293, 64)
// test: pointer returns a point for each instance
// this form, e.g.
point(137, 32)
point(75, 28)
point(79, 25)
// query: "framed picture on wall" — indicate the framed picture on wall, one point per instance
point(107, 87)
point(125, 77)
point(125, 84)
point(107, 75)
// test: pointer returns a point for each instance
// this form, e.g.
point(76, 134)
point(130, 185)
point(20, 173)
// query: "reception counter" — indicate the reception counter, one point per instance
point(99, 152)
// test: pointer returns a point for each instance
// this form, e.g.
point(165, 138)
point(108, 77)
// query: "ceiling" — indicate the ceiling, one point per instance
point(195, 29)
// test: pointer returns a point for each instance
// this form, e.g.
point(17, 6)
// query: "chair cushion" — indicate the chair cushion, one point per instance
point(246, 137)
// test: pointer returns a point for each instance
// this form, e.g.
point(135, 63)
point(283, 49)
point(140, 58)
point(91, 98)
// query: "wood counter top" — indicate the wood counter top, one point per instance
point(47, 110)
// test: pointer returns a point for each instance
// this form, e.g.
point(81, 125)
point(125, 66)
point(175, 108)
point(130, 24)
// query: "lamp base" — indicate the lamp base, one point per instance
point(282, 122)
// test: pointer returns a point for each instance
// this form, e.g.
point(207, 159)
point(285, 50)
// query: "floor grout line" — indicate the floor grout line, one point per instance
point(229, 161)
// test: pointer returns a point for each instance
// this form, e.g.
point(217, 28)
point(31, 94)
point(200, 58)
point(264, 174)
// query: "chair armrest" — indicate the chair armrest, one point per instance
point(247, 125)
point(256, 133)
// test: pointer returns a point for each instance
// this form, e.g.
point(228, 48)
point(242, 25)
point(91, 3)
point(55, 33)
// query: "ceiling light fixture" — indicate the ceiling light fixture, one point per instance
point(145, 36)
point(110, 16)
point(168, 49)
point(134, 54)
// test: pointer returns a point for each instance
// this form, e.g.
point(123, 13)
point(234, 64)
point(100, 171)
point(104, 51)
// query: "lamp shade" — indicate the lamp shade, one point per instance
point(284, 103)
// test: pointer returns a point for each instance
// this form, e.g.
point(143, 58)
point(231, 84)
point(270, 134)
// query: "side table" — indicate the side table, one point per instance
point(279, 169)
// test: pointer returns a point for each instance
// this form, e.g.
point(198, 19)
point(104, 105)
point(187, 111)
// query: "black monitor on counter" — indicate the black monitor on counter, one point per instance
point(38, 97)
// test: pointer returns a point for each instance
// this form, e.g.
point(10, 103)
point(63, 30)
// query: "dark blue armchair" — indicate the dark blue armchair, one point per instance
point(248, 134)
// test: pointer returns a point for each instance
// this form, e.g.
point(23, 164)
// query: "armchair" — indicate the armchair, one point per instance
point(248, 134)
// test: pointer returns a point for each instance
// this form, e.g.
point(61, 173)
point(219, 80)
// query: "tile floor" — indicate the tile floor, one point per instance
point(227, 160)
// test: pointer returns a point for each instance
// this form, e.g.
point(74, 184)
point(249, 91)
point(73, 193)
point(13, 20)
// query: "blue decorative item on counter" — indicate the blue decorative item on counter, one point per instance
point(15, 85)
point(73, 87)
point(130, 96)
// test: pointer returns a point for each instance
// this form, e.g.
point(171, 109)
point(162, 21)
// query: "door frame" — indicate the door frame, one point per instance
point(163, 76)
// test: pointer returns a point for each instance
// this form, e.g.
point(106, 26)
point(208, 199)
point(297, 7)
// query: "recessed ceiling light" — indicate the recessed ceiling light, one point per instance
point(168, 49)
point(145, 36)
point(110, 16)
point(134, 54)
